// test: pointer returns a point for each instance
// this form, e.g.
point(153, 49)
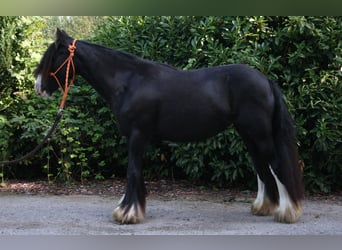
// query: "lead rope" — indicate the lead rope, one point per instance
point(69, 62)
point(40, 145)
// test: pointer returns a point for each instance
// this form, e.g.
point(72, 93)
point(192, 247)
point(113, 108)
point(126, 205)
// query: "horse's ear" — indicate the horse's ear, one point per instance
point(61, 36)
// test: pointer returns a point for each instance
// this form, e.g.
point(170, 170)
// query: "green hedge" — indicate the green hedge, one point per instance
point(302, 54)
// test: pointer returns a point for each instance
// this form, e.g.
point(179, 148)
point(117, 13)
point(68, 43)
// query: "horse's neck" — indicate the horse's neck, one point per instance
point(100, 69)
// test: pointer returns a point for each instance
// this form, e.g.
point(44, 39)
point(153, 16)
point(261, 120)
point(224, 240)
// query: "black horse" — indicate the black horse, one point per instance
point(154, 101)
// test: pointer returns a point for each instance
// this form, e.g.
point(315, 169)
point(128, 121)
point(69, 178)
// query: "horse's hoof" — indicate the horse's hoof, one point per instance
point(133, 214)
point(263, 207)
point(288, 214)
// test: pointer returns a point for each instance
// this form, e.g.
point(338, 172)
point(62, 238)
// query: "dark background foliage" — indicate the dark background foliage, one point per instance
point(302, 54)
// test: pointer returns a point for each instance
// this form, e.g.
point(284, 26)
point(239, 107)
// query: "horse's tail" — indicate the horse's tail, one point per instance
point(285, 160)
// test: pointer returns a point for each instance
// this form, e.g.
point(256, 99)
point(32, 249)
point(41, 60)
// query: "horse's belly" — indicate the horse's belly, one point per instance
point(187, 127)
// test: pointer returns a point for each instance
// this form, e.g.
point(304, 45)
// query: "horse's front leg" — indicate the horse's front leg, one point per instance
point(131, 209)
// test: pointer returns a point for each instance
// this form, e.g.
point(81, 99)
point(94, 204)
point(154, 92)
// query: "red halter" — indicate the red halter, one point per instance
point(69, 62)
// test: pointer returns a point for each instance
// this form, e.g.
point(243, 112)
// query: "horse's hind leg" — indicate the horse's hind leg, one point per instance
point(287, 211)
point(263, 205)
point(258, 139)
point(131, 209)
point(267, 197)
point(273, 195)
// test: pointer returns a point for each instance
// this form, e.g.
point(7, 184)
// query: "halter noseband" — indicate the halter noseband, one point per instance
point(68, 62)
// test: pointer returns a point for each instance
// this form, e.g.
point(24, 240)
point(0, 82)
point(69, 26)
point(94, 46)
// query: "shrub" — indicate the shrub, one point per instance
point(302, 54)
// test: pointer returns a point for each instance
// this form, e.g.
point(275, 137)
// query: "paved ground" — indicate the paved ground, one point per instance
point(25, 214)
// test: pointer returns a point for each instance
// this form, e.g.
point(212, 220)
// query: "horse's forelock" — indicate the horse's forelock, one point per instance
point(44, 67)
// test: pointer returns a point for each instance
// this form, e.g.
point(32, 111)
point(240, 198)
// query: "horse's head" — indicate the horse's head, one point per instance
point(52, 59)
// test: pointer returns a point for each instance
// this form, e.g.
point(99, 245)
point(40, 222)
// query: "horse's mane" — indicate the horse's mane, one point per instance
point(44, 66)
point(123, 55)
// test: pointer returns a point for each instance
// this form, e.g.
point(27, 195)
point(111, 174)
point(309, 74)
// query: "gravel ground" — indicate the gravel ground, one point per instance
point(25, 210)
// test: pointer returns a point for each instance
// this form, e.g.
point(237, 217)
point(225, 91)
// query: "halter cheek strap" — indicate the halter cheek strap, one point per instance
point(69, 62)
